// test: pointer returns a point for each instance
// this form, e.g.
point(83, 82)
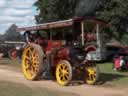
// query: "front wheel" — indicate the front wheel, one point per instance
point(91, 73)
point(63, 73)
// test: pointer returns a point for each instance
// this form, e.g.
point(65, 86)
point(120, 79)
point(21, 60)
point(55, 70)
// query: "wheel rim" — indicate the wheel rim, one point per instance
point(63, 74)
point(13, 54)
point(30, 63)
point(91, 75)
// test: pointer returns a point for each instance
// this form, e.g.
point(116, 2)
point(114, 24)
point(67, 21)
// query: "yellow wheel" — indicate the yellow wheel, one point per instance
point(63, 73)
point(92, 74)
point(32, 60)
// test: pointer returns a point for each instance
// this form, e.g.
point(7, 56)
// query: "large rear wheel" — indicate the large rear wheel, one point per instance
point(32, 60)
point(63, 73)
point(91, 73)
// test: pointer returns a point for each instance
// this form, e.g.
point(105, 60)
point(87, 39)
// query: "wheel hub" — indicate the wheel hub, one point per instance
point(64, 72)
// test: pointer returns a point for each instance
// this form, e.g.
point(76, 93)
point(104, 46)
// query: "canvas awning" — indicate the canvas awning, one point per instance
point(60, 24)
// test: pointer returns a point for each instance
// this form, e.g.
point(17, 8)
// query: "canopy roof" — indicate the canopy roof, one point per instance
point(60, 24)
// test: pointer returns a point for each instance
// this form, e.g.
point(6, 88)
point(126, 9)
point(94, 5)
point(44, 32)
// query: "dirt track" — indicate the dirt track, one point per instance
point(9, 74)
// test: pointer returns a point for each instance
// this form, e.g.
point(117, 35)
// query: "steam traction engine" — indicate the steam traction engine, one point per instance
point(63, 55)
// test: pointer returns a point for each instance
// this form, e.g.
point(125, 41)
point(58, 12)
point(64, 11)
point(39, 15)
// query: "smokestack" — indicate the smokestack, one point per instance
point(87, 7)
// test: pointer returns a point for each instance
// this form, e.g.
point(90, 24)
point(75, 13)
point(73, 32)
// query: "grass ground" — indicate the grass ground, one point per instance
point(9, 62)
point(112, 77)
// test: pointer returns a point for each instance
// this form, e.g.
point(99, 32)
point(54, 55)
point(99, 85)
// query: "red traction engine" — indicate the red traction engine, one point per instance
point(62, 56)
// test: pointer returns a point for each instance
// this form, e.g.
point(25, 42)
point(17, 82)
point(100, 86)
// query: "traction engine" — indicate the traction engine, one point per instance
point(64, 58)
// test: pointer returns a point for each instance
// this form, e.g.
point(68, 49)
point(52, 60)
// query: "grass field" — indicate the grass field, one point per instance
point(112, 77)
point(7, 61)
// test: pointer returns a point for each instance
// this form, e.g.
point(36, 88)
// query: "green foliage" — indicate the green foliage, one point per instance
point(113, 11)
point(124, 39)
point(11, 34)
point(112, 77)
point(52, 10)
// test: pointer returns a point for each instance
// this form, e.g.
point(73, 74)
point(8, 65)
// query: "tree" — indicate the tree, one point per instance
point(115, 12)
point(11, 34)
point(53, 10)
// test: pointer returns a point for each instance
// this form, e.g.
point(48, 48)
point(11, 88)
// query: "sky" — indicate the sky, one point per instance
point(19, 12)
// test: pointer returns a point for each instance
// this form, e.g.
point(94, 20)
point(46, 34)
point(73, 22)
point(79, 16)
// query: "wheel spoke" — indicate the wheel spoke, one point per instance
point(65, 67)
point(34, 53)
point(67, 71)
point(27, 65)
point(34, 65)
point(63, 78)
point(27, 58)
point(94, 77)
point(66, 76)
point(29, 51)
point(35, 69)
point(61, 67)
point(60, 70)
point(36, 62)
point(89, 77)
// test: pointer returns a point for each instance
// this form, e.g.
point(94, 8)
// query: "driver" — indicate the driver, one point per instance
point(90, 37)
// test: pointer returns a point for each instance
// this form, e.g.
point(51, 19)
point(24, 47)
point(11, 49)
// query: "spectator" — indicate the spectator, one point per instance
point(119, 63)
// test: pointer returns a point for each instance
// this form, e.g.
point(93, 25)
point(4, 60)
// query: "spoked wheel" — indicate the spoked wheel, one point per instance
point(13, 54)
point(63, 73)
point(91, 74)
point(32, 60)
